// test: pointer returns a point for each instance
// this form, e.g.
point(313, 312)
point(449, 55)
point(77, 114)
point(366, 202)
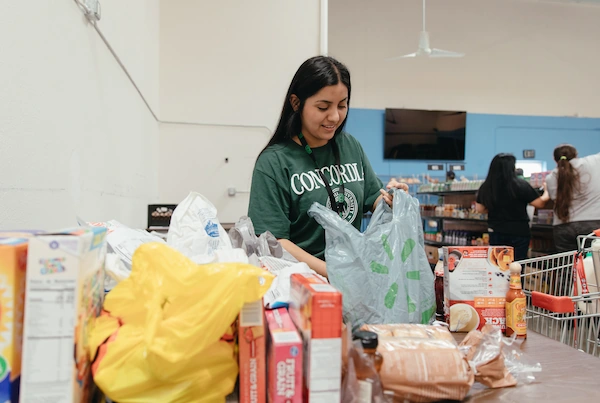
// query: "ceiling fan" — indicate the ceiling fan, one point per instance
point(425, 50)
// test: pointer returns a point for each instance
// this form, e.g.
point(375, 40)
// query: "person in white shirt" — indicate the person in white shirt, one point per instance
point(575, 188)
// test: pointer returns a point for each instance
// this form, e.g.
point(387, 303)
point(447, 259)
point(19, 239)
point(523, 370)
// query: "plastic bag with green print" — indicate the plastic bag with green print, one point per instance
point(383, 273)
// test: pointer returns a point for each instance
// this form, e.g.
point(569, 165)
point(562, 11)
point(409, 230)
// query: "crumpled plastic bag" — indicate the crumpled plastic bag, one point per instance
point(195, 229)
point(497, 361)
point(483, 350)
point(383, 273)
point(161, 339)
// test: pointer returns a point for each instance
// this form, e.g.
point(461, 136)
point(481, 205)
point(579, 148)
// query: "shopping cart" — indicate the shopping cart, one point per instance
point(563, 295)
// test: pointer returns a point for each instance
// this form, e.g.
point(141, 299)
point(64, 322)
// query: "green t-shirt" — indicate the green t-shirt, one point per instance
point(286, 182)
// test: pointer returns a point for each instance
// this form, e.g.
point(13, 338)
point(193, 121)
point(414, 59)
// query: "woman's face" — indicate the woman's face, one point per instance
point(323, 113)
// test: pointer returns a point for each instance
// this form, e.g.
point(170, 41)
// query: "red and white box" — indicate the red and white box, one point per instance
point(284, 358)
point(476, 280)
point(252, 353)
point(316, 309)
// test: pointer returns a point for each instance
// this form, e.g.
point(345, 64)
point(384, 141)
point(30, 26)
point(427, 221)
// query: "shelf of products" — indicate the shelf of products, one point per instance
point(449, 218)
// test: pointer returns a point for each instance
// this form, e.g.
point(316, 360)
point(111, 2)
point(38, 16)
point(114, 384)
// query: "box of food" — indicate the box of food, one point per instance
point(64, 295)
point(316, 309)
point(252, 353)
point(476, 279)
point(13, 262)
point(284, 358)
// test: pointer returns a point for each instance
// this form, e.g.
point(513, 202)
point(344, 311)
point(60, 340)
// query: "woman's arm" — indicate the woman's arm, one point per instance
point(480, 208)
point(540, 202)
point(301, 255)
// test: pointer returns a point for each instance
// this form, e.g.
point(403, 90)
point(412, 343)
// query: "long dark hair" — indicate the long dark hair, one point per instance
point(313, 75)
point(501, 181)
point(567, 183)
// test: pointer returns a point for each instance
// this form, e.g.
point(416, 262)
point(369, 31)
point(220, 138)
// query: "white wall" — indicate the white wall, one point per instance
point(522, 57)
point(226, 70)
point(75, 136)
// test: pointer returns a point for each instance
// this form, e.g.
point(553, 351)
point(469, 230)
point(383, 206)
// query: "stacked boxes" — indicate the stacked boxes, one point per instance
point(284, 359)
point(64, 294)
point(252, 353)
point(13, 262)
point(316, 309)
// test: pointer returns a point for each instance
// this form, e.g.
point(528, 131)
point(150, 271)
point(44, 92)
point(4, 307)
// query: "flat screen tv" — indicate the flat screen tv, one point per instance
point(414, 134)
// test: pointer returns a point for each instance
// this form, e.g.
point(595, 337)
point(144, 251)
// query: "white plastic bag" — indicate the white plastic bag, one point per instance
point(195, 230)
point(383, 273)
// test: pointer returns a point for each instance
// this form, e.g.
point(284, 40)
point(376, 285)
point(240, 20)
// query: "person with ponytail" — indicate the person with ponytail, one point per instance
point(310, 158)
point(505, 197)
point(575, 188)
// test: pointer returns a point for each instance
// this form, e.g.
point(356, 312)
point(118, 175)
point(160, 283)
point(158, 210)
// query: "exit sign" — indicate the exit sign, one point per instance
point(435, 167)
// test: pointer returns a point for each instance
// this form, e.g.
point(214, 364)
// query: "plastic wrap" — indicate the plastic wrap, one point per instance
point(383, 273)
point(195, 230)
point(166, 335)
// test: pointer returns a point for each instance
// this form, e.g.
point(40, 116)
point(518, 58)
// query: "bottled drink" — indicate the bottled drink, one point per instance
point(515, 304)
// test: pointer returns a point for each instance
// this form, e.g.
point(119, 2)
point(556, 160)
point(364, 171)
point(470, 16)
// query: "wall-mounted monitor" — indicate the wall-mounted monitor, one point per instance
point(416, 134)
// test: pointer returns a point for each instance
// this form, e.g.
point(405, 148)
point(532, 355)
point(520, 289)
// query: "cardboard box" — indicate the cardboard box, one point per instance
point(284, 359)
point(13, 261)
point(476, 279)
point(252, 353)
point(64, 295)
point(316, 309)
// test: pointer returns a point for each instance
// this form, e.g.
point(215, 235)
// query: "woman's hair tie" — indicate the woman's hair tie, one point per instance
point(563, 157)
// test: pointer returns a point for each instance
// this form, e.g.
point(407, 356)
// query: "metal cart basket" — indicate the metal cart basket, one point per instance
point(563, 295)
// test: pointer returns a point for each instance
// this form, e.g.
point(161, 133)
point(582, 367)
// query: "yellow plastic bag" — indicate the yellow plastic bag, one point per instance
point(159, 339)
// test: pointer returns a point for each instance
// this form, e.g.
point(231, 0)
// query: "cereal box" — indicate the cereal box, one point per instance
point(13, 261)
point(64, 293)
point(252, 353)
point(316, 309)
point(284, 359)
point(476, 279)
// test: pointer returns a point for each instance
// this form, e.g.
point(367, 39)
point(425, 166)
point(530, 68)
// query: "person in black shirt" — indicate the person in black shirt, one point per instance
point(505, 197)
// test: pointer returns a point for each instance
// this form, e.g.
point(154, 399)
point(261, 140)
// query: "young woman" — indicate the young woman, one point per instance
point(311, 159)
point(575, 188)
point(505, 198)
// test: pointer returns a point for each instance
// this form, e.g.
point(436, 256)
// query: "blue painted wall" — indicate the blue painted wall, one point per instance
point(487, 135)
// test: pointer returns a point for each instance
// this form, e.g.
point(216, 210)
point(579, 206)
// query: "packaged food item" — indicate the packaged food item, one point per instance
point(13, 262)
point(411, 331)
point(316, 309)
point(476, 280)
point(367, 367)
point(284, 358)
point(422, 363)
point(64, 294)
point(252, 353)
point(515, 304)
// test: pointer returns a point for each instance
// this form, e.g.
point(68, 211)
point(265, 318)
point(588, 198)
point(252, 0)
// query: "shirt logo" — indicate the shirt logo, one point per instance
point(350, 204)
point(311, 180)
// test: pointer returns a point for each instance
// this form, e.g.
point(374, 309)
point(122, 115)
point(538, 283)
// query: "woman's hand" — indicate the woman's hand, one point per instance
point(392, 184)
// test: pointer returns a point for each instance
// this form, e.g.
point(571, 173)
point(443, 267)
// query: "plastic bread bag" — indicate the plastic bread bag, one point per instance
point(383, 273)
point(195, 229)
point(421, 363)
point(165, 334)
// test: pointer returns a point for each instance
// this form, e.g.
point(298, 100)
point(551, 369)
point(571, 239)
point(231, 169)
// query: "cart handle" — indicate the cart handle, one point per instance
point(552, 303)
